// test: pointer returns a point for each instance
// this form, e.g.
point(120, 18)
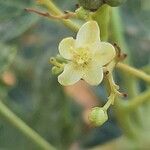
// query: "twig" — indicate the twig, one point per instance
point(55, 10)
point(134, 72)
point(24, 128)
point(48, 15)
point(137, 101)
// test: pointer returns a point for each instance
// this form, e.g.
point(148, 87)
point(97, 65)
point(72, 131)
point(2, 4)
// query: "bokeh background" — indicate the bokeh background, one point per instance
point(29, 89)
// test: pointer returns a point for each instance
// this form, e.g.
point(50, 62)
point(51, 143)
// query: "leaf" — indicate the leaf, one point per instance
point(15, 20)
point(136, 20)
point(7, 55)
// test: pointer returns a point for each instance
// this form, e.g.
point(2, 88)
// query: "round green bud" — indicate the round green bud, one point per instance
point(98, 116)
point(114, 3)
point(60, 59)
point(56, 70)
point(92, 5)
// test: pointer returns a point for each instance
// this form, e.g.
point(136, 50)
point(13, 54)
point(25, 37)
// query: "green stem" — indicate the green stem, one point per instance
point(124, 119)
point(24, 128)
point(109, 101)
point(134, 72)
point(118, 32)
point(137, 101)
point(55, 10)
point(102, 17)
point(146, 68)
point(131, 84)
point(112, 89)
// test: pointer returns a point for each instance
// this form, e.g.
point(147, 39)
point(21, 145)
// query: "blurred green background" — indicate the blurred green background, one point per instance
point(27, 86)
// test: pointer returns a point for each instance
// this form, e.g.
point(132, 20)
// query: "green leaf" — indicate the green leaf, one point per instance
point(7, 55)
point(136, 20)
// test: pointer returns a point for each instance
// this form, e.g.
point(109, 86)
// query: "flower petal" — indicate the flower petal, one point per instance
point(69, 76)
point(66, 47)
point(88, 34)
point(104, 53)
point(93, 74)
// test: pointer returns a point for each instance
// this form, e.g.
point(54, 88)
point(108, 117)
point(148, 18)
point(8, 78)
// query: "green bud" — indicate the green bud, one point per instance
point(57, 70)
point(92, 5)
point(60, 59)
point(114, 3)
point(98, 116)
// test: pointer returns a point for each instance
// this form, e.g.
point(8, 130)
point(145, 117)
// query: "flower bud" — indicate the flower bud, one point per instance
point(92, 5)
point(114, 3)
point(56, 70)
point(98, 116)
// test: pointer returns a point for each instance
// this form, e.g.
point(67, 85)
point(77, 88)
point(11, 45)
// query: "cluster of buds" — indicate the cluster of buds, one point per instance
point(84, 9)
point(93, 5)
point(86, 57)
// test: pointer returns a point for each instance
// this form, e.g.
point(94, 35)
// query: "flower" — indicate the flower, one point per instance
point(98, 116)
point(86, 56)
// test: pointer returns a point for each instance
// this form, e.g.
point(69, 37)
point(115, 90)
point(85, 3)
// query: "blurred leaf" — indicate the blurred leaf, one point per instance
point(37, 97)
point(136, 20)
point(7, 55)
point(15, 20)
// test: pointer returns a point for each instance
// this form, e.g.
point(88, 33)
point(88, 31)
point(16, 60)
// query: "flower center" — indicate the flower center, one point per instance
point(81, 56)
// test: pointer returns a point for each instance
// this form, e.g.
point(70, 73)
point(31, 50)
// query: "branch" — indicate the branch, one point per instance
point(24, 128)
point(134, 72)
point(113, 90)
point(48, 15)
point(137, 101)
point(56, 11)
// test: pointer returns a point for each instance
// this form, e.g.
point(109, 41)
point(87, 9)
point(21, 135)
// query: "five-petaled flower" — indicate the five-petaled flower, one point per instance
point(86, 56)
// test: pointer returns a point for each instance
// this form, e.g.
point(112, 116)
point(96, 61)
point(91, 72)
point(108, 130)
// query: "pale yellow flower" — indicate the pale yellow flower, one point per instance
point(86, 56)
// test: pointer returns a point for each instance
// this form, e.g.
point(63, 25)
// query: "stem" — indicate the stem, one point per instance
point(146, 68)
point(110, 101)
point(137, 101)
point(124, 119)
point(134, 72)
point(54, 9)
point(118, 32)
point(102, 17)
point(130, 83)
point(24, 128)
point(129, 129)
point(113, 90)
